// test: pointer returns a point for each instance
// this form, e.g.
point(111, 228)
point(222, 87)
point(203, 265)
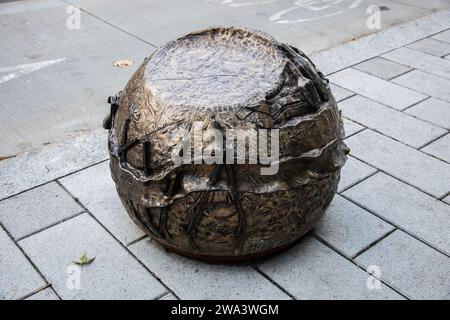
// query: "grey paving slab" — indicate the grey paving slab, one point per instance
point(69, 95)
point(382, 68)
point(191, 279)
point(405, 163)
point(406, 207)
point(431, 46)
point(351, 127)
point(422, 61)
point(380, 90)
point(114, 274)
point(37, 209)
point(426, 83)
point(348, 54)
point(432, 110)
point(18, 278)
point(40, 166)
point(340, 93)
point(390, 122)
point(96, 190)
point(350, 229)
point(311, 270)
point(439, 148)
point(410, 266)
point(354, 171)
point(443, 36)
point(46, 294)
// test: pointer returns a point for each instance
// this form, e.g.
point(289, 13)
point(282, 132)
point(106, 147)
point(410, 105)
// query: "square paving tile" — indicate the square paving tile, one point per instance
point(191, 279)
point(114, 274)
point(18, 278)
point(350, 229)
point(406, 207)
point(354, 171)
point(432, 110)
point(409, 266)
point(382, 68)
point(426, 83)
point(403, 162)
point(431, 46)
point(37, 209)
point(311, 270)
point(96, 190)
point(377, 89)
point(390, 122)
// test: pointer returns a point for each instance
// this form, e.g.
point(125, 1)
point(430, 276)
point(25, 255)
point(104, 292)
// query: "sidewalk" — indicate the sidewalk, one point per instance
point(391, 216)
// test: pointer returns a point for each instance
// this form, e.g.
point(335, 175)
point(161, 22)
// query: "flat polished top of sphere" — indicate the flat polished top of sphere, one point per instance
point(218, 67)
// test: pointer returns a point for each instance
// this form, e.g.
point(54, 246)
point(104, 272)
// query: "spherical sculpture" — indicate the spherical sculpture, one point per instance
point(226, 145)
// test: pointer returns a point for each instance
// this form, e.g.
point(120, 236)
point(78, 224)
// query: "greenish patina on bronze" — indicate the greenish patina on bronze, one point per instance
point(228, 78)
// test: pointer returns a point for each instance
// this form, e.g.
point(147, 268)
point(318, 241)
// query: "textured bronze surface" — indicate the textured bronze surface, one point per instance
point(228, 78)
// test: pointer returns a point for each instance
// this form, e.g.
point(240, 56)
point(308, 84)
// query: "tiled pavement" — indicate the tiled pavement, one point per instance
point(391, 215)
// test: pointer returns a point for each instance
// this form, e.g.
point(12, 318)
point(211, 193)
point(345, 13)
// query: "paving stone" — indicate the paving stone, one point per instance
point(96, 190)
point(353, 172)
point(377, 89)
point(168, 296)
point(406, 207)
point(426, 83)
point(311, 270)
point(191, 279)
point(114, 274)
point(340, 93)
point(410, 266)
point(432, 110)
point(18, 278)
point(440, 148)
point(46, 294)
point(350, 229)
point(382, 68)
point(405, 163)
point(431, 46)
point(37, 209)
point(442, 36)
point(351, 127)
point(390, 122)
point(422, 61)
point(43, 165)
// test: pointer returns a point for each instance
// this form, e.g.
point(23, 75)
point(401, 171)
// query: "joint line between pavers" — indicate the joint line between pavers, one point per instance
point(53, 180)
point(25, 255)
point(381, 53)
point(394, 224)
point(52, 225)
point(392, 176)
point(358, 266)
point(415, 104)
point(359, 181)
point(351, 135)
point(434, 140)
point(405, 144)
point(136, 240)
point(276, 284)
point(370, 245)
point(115, 238)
